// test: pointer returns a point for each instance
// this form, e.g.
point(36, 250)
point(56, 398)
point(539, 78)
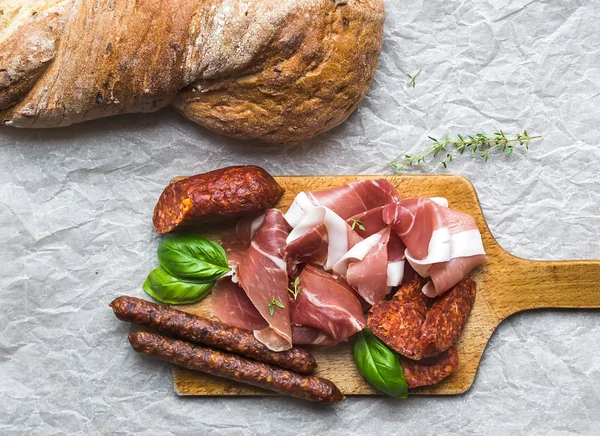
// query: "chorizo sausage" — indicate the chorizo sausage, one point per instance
point(397, 322)
point(417, 326)
point(223, 194)
point(429, 371)
point(447, 318)
point(208, 332)
point(236, 368)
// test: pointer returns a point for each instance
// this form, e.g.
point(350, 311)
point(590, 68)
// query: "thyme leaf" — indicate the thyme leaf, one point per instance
point(274, 303)
point(296, 288)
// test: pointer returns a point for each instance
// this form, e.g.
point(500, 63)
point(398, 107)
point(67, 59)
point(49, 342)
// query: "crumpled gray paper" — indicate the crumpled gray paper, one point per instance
point(75, 232)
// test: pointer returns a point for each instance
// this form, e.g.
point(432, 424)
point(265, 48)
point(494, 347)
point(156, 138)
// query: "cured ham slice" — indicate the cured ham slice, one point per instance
point(439, 241)
point(396, 260)
point(304, 335)
point(312, 247)
point(369, 276)
point(232, 306)
point(371, 221)
point(322, 237)
point(421, 226)
point(345, 201)
point(447, 274)
point(326, 304)
point(263, 276)
point(466, 253)
point(247, 227)
point(354, 198)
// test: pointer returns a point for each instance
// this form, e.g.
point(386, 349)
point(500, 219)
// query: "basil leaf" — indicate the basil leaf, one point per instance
point(379, 365)
point(193, 257)
point(165, 288)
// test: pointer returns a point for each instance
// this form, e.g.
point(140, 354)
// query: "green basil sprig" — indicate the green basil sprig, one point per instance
point(379, 365)
point(189, 268)
point(165, 288)
point(193, 257)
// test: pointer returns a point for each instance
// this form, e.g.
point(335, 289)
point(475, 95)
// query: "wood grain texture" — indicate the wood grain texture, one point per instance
point(505, 285)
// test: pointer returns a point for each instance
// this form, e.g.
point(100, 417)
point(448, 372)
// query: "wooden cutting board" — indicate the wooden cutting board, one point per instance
point(505, 285)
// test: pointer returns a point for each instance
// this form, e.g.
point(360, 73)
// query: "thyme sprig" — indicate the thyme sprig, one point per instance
point(413, 79)
point(275, 303)
point(358, 223)
point(479, 143)
point(295, 288)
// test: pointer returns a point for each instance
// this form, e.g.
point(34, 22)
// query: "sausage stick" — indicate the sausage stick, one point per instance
point(208, 332)
point(226, 193)
point(236, 368)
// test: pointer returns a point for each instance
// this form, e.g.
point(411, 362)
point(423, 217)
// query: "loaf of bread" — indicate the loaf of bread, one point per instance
point(272, 70)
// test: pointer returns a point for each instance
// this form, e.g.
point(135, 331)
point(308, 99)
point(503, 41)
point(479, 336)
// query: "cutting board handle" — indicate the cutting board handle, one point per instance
point(529, 284)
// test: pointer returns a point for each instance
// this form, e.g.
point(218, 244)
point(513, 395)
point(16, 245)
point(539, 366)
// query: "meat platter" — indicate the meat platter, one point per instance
point(505, 285)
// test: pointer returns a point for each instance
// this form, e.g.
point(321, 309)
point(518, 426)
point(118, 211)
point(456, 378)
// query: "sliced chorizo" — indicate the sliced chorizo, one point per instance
point(429, 371)
point(447, 317)
point(397, 322)
point(418, 327)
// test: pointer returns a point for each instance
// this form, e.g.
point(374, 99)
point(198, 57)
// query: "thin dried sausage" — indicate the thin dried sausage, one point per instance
point(223, 194)
point(236, 368)
point(208, 332)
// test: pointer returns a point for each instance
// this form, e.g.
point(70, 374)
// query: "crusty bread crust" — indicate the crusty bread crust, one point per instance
point(13, 13)
point(270, 70)
point(309, 79)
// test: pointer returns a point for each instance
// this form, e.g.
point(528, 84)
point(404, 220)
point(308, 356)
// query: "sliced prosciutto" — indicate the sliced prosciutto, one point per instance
point(247, 227)
point(321, 238)
point(368, 223)
point(345, 201)
point(422, 228)
point(304, 335)
point(327, 305)
point(263, 276)
point(447, 274)
point(441, 243)
point(396, 260)
point(466, 253)
point(369, 276)
point(232, 306)
point(322, 220)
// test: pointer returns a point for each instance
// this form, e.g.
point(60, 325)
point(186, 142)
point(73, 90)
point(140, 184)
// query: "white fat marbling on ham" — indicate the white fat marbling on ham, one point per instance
point(356, 253)
point(322, 237)
point(333, 208)
point(262, 274)
point(421, 226)
point(395, 272)
point(396, 260)
point(300, 207)
point(440, 201)
point(325, 304)
point(247, 227)
point(346, 200)
point(441, 243)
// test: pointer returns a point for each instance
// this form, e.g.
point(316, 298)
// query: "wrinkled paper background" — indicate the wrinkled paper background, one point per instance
point(75, 208)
